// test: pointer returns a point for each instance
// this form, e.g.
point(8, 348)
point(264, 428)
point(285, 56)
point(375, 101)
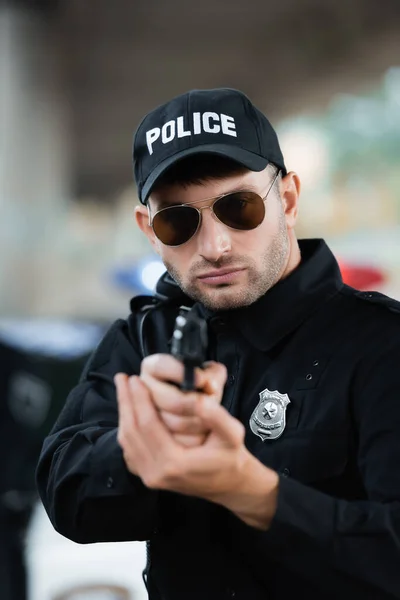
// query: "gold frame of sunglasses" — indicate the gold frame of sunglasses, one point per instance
point(214, 199)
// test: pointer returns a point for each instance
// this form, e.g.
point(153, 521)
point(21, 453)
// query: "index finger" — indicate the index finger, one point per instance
point(163, 367)
point(126, 414)
point(212, 377)
point(167, 368)
point(121, 381)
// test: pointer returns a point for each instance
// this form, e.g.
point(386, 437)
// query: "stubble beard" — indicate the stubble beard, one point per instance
point(259, 280)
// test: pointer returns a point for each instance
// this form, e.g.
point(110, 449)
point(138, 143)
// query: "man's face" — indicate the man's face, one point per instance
point(221, 267)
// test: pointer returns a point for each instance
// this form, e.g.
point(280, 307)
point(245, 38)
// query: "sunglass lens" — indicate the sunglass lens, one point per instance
point(241, 210)
point(176, 225)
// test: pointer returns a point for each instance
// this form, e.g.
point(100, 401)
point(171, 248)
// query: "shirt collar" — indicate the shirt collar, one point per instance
point(291, 301)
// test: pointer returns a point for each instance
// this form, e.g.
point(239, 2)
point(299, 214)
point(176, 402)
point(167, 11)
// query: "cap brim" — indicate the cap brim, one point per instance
point(253, 162)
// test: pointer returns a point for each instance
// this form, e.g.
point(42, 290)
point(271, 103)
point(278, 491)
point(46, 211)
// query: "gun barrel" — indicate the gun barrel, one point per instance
point(189, 343)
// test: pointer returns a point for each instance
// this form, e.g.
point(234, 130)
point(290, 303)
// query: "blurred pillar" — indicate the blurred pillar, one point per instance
point(34, 165)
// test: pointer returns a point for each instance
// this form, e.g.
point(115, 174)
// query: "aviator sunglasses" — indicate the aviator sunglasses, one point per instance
point(242, 210)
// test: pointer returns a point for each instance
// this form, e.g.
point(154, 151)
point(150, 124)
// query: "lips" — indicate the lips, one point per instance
point(220, 276)
point(219, 272)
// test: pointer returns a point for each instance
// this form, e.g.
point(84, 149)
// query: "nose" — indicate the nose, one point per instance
point(213, 238)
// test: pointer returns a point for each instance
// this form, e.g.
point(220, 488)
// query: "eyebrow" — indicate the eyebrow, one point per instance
point(165, 204)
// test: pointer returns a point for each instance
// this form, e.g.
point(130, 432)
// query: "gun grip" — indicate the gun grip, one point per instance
point(188, 379)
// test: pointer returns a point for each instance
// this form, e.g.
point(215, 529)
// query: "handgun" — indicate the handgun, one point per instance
point(189, 343)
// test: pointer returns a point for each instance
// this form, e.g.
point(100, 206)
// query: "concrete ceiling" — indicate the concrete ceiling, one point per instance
point(121, 58)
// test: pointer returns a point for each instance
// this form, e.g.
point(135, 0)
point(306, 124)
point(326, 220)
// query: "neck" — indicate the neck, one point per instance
point(294, 257)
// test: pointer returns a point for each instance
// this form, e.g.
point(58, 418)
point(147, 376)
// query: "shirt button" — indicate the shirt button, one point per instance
point(231, 379)
point(218, 324)
point(285, 472)
point(110, 482)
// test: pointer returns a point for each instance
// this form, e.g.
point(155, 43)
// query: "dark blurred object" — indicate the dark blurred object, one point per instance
point(40, 362)
point(43, 5)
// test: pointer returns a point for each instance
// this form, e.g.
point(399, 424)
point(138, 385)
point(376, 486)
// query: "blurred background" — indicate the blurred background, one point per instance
point(76, 78)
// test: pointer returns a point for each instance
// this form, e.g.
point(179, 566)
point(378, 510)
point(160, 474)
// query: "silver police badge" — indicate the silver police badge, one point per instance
point(269, 416)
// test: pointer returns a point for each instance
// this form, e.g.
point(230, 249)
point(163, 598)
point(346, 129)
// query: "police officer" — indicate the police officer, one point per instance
point(279, 476)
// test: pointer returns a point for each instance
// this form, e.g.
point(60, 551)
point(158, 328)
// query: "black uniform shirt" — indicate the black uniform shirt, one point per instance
point(335, 353)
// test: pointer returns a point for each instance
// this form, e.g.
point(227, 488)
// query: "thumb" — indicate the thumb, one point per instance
point(216, 418)
point(212, 379)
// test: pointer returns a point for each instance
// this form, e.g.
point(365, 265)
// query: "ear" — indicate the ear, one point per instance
point(142, 220)
point(290, 192)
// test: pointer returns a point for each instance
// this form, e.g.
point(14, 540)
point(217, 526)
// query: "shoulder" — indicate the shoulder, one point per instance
point(374, 317)
point(116, 335)
point(371, 300)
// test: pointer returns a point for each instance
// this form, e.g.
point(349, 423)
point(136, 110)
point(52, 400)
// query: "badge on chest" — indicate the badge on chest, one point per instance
point(268, 419)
